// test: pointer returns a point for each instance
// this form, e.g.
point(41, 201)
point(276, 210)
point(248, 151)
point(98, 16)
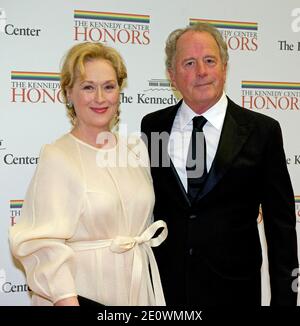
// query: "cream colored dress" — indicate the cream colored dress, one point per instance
point(85, 226)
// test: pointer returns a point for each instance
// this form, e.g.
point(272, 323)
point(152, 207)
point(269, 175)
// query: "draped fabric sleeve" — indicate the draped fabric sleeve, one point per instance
point(138, 147)
point(145, 159)
point(49, 217)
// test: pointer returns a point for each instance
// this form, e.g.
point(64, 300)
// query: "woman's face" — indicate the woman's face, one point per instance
point(95, 97)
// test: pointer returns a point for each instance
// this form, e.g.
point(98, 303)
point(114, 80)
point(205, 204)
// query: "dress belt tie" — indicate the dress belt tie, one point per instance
point(121, 244)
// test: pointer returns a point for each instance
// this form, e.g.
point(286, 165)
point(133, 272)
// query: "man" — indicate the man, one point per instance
point(212, 255)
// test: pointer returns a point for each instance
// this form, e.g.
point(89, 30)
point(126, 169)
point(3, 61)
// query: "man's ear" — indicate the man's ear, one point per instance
point(172, 77)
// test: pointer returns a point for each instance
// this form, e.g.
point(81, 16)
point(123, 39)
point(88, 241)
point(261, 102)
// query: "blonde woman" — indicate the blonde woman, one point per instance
point(85, 227)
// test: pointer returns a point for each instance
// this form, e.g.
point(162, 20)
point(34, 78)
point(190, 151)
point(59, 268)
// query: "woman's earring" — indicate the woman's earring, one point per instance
point(69, 105)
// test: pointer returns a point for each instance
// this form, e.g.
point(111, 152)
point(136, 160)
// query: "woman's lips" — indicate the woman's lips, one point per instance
point(99, 110)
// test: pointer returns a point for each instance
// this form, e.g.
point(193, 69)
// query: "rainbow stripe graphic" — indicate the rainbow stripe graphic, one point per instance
point(32, 75)
point(114, 16)
point(270, 85)
point(16, 203)
point(226, 24)
point(297, 199)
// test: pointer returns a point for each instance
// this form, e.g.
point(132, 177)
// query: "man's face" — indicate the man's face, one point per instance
point(197, 71)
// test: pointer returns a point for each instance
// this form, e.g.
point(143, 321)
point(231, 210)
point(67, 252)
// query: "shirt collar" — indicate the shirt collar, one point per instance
point(214, 115)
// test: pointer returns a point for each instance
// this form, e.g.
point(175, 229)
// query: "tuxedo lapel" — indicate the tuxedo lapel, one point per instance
point(233, 136)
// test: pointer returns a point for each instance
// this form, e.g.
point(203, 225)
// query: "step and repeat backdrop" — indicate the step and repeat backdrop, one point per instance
point(263, 76)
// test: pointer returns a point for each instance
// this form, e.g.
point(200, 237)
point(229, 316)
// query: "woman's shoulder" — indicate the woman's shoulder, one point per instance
point(60, 158)
point(59, 150)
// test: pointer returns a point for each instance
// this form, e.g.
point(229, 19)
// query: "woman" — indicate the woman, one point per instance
point(85, 224)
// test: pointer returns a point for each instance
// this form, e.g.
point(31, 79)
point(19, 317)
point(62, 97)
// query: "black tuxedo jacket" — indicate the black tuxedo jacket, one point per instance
point(212, 255)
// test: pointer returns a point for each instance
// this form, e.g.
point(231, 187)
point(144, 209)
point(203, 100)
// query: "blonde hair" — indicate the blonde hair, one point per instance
point(73, 67)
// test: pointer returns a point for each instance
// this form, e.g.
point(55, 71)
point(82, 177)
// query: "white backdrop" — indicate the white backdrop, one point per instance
point(263, 75)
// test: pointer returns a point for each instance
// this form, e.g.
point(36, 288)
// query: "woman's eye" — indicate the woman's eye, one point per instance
point(110, 86)
point(88, 87)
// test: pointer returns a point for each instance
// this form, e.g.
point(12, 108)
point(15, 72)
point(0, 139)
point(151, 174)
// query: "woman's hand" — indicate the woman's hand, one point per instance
point(72, 301)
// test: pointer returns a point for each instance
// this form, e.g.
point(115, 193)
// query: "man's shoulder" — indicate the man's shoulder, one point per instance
point(158, 114)
point(159, 119)
point(249, 115)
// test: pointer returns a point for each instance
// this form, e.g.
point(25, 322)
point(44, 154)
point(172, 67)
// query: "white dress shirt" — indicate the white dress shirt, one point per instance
point(181, 134)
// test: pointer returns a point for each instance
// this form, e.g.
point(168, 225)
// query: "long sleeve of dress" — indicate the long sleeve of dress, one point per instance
point(49, 217)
